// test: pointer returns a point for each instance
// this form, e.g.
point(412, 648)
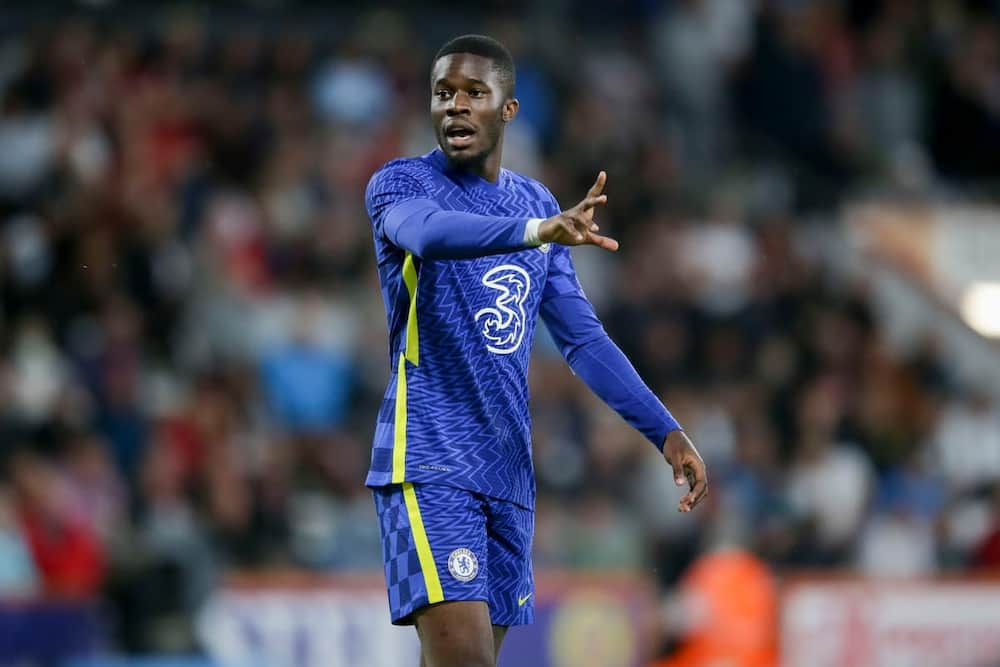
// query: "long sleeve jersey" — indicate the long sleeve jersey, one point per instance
point(463, 293)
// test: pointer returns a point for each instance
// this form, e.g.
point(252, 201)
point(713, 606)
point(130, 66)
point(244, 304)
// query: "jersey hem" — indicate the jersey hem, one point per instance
point(382, 480)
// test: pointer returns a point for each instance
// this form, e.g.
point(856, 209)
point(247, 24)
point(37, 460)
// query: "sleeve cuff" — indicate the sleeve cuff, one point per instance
point(531, 239)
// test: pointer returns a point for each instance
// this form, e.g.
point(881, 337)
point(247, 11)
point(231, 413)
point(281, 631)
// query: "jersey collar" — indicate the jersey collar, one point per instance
point(466, 178)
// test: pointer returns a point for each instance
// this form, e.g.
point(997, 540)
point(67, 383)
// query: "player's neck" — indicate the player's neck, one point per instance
point(488, 168)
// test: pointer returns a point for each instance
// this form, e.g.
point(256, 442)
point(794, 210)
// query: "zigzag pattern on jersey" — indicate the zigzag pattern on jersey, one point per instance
point(467, 417)
point(470, 415)
point(397, 181)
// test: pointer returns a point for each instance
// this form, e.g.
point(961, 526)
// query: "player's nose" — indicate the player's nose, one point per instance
point(459, 104)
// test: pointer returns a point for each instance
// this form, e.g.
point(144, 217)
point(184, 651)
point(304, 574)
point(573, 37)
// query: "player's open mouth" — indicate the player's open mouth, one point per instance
point(459, 137)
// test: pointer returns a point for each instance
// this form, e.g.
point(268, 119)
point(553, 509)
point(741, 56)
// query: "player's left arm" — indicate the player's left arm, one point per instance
point(594, 357)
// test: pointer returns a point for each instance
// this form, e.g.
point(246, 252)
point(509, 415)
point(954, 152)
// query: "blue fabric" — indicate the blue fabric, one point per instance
point(411, 214)
point(497, 537)
point(421, 227)
point(466, 400)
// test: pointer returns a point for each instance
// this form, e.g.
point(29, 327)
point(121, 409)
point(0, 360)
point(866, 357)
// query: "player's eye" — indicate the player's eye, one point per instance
point(442, 94)
point(477, 92)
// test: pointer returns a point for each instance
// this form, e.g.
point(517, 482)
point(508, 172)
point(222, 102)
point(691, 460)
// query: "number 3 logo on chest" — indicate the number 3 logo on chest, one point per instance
point(503, 323)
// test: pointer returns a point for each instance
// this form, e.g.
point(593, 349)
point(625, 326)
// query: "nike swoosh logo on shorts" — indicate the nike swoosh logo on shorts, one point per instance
point(521, 601)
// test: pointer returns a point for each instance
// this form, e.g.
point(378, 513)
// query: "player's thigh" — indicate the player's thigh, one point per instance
point(433, 546)
point(509, 532)
point(499, 632)
point(456, 634)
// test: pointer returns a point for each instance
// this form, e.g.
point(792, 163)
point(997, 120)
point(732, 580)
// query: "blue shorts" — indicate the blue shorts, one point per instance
point(443, 543)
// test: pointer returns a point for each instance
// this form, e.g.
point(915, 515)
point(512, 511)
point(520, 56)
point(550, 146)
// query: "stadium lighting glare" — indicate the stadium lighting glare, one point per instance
point(980, 308)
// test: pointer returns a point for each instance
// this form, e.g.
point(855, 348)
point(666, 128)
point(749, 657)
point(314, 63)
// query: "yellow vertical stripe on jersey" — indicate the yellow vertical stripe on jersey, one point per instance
point(399, 432)
point(411, 353)
point(412, 340)
point(424, 554)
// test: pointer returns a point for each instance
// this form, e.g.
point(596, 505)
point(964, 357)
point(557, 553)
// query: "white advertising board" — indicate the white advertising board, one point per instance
point(855, 623)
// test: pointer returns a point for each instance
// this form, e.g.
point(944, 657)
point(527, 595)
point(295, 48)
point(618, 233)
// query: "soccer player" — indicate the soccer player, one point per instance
point(469, 255)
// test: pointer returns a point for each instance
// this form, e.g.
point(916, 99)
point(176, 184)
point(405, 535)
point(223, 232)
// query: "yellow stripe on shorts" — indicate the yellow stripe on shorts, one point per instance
point(427, 566)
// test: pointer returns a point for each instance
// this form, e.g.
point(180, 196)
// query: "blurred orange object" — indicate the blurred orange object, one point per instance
point(731, 603)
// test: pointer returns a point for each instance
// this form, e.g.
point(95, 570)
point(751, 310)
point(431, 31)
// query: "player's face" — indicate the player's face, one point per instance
point(468, 107)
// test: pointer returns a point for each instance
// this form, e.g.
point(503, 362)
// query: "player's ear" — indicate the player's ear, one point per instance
point(509, 109)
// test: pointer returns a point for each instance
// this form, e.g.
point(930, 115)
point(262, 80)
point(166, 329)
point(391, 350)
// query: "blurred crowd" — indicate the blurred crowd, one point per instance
point(193, 346)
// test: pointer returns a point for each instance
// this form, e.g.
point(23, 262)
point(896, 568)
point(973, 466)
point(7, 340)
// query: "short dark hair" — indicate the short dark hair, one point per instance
point(487, 47)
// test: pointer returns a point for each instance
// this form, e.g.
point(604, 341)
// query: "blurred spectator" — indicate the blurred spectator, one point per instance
point(352, 90)
point(40, 373)
point(94, 487)
point(887, 99)
point(727, 613)
point(967, 441)
point(65, 548)
point(28, 138)
point(717, 259)
point(603, 535)
point(18, 576)
point(965, 130)
point(179, 560)
point(752, 501)
point(829, 483)
point(782, 89)
point(987, 553)
point(696, 43)
point(900, 537)
point(308, 385)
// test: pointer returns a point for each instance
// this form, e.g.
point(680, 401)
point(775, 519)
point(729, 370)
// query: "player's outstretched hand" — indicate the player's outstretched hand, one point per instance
point(688, 467)
point(576, 226)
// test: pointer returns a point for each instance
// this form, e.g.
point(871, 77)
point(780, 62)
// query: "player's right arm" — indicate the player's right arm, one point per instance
point(406, 214)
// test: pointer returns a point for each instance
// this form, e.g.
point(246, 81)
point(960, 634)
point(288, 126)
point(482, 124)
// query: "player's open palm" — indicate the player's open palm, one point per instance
point(688, 467)
point(576, 226)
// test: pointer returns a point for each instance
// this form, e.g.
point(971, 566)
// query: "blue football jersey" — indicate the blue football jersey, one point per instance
point(455, 411)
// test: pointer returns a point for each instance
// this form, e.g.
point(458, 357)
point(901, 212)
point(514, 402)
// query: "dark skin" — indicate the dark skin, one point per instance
point(470, 107)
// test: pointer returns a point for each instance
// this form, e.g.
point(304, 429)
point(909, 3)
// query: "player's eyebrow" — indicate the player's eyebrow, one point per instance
point(444, 81)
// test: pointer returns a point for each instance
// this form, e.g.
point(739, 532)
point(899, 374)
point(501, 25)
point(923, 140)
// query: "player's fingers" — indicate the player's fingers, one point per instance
point(699, 486)
point(695, 495)
point(573, 230)
point(678, 467)
point(583, 222)
point(590, 202)
point(605, 242)
point(598, 186)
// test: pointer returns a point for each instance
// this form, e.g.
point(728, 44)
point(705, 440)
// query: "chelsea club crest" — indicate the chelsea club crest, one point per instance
point(463, 564)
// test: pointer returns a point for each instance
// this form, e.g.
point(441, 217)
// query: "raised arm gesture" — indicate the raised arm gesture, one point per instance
point(576, 226)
